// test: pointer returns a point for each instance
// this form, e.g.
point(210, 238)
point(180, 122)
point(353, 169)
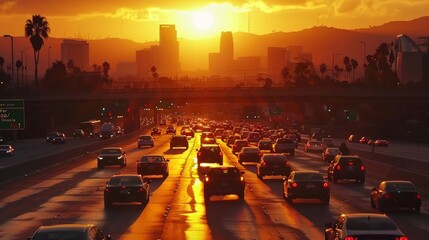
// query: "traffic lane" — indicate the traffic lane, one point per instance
point(70, 192)
point(349, 196)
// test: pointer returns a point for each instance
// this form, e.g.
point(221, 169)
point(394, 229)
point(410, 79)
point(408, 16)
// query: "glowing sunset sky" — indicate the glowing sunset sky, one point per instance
point(139, 20)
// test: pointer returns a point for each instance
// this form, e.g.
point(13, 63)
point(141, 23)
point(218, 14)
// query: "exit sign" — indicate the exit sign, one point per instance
point(12, 115)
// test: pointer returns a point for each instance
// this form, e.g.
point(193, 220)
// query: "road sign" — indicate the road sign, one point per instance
point(12, 116)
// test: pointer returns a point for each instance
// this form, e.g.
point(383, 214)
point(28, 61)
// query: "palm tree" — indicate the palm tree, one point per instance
point(18, 65)
point(37, 29)
point(285, 75)
point(323, 68)
point(354, 64)
point(106, 69)
point(346, 62)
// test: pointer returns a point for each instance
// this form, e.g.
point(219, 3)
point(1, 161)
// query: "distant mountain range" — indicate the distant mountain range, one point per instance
point(321, 41)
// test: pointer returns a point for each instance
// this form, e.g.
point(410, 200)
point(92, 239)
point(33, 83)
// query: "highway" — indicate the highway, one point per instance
point(73, 192)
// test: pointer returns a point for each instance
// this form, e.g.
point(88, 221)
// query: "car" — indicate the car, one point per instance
point(364, 140)
point(78, 133)
point(60, 138)
point(180, 141)
point(155, 131)
point(265, 145)
point(244, 134)
point(69, 231)
point(187, 132)
point(239, 144)
point(207, 135)
point(306, 184)
point(119, 131)
point(346, 167)
point(145, 140)
point(329, 154)
point(273, 164)
point(7, 150)
point(153, 165)
point(126, 188)
point(219, 131)
point(170, 129)
point(208, 140)
point(254, 137)
point(209, 153)
point(163, 122)
point(249, 154)
point(356, 226)
point(284, 145)
point(327, 142)
point(394, 194)
point(353, 138)
point(224, 180)
point(51, 136)
point(112, 156)
point(231, 140)
point(381, 143)
point(313, 145)
point(2, 140)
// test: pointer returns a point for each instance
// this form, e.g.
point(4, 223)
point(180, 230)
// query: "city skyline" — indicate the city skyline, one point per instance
point(139, 21)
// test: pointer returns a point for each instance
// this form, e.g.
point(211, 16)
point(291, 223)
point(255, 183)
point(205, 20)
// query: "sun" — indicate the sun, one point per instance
point(202, 20)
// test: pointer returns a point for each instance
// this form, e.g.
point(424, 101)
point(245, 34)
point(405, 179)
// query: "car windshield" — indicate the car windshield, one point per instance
point(403, 186)
point(370, 223)
point(210, 150)
point(224, 173)
point(250, 150)
point(284, 141)
point(145, 138)
point(308, 176)
point(275, 158)
point(111, 151)
point(125, 181)
point(60, 235)
point(151, 159)
point(350, 161)
point(4, 147)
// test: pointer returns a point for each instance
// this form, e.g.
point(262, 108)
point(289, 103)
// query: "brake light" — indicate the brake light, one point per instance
point(362, 168)
point(325, 185)
point(350, 238)
point(286, 163)
point(123, 187)
point(107, 190)
point(351, 163)
point(402, 238)
point(140, 190)
point(263, 164)
point(418, 196)
point(338, 167)
point(294, 185)
point(220, 154)
point(387, 195)
point(162, 164)
point(206, 179)
point(242, 178)
point(199, 154)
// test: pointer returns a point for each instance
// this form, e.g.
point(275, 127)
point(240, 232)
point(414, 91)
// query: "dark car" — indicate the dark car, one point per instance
point(170, 129)
point(254, 137)
point(209, 153)
point(207, 135)
point(329, 154)
point(187, 132)
point(346, 167)
point(145, 140)
point(7, 150)
point(249, 154)
point(353, 138)
point(272, 164)
point(394, 194)
point(231, 140)
point(327, 143)
point(239, 144)
point(284, 145)
point(155, 131)
point(306, 184)
point(179, 141)
point(59, 138)
point(126, 188)
point(78, 133)
point(224, 180)
point(381, 143)
point(51, 136)
point(69, 231)
point(153, 165)
point(357, 226)
point(265, 145)
point(111, 156)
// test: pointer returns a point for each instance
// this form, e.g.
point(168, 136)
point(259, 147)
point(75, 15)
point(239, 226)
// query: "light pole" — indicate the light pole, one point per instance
point(11, 43)
point(364, 58)
point(23, 66)
point(333, 62)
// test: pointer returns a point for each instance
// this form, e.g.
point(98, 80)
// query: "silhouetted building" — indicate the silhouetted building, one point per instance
point(214, 63)
point(169, 64)
point(250, 66)
point(409, 60)
point(126, 69)
point(77, 51)
point(145, 59)
point(226, 53)
point(277, 59)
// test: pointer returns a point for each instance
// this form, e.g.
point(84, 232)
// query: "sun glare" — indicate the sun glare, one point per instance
point(202, 20)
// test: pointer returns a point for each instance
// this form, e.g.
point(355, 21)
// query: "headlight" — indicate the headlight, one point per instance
point(100, 158)
point(119, 157)
point(9, 151)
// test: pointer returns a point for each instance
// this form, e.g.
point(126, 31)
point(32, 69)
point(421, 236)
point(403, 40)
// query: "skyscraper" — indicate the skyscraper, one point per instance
point(77, 51)
point(226, 53)
point(169, 64)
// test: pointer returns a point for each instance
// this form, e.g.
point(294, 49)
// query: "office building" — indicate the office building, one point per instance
point(77, 51)
point(169, 64)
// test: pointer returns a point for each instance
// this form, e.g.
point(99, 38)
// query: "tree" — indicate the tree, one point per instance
point(18, 65)
point(346, 61)
point(56, 77)
point(268, 83)
point(323, 68)
point(106, 69)
point(285, 75)
point(354, 64)
point(303, 72)
point(37, 29)
point(70, 66)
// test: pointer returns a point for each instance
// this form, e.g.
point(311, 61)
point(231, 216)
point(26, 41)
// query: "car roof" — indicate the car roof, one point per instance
point(224, 166)
point(306, 171)
point(65, 227)
point(361, 215)
point(127, 175)
point(209, 145)
point(112, 148)
point(153, 155)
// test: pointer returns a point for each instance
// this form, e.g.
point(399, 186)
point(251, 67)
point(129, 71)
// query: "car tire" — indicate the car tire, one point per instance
point(260, 176)
point(107, 204)
point(417, 209)
point(325, 200)
point(372, 203)
point(380, 207)
point(334, 179)
point(100, 166)
point(240, 162)
point(165, 175)
point(290, 200)
point(241, 196)
point(206, 197)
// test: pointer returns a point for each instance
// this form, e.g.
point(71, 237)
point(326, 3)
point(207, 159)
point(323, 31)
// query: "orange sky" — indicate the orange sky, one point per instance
point(139, 20)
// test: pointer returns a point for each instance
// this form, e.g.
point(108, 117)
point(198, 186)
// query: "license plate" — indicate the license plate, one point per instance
point(124, 192)
point(310, 186)
point(276, 166)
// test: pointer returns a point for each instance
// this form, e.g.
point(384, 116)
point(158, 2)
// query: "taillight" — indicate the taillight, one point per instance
point(387, 195)
point(362, 168)
point(140, 189)
point(338, 167)
point(163, 165)
point(139, 165)
point(242, 178)
point(418, 196)
point(263, 164)
point(287, 163)
point(199, 154)
point(220, 154)
point(325, 185)
point(107, 190)
point(402, 238)
point(294, 185)
point(351, 163)
point(350, 238)
point(206, 179)
point(123, 187)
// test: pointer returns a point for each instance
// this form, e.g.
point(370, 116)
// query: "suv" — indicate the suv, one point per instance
point(111, 156)
point(284, 145)
point(224, 180)
point(179, 141)
point(272, 164)
point(209, 153)
point(346, 167)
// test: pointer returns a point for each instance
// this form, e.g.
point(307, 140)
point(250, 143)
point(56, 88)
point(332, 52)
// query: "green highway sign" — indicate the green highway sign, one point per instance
point(12, 115)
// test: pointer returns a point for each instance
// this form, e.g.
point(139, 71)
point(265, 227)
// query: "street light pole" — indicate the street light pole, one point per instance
point(11, 43)
point(364, 58)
